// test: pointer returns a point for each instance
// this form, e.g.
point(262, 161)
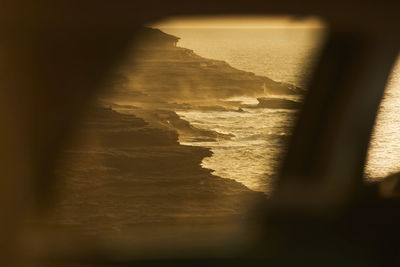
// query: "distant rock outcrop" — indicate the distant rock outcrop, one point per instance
point(277, 103)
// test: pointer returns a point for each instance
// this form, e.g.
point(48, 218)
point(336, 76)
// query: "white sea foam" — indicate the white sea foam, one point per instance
point(253, 155)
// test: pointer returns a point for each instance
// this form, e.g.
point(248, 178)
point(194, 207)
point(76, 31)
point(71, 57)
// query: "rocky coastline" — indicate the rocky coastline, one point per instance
point(121, 174)
point(125, 169)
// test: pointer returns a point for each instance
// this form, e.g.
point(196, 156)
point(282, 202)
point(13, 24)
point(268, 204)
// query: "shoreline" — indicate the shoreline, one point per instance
point(115, 180)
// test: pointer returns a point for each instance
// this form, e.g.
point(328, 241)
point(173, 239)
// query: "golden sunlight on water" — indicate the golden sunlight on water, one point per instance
point(384, 152)
point(281, 49)
point(240, 22)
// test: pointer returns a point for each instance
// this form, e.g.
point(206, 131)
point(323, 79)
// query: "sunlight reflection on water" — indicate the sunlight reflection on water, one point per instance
point(254, 154)
point(274, 54)
point(384, 152)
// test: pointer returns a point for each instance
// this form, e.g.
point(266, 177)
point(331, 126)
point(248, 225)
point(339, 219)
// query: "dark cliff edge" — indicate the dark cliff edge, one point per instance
point(159, 77)
point(125, 169)
point(157, 70)
point(123, 176)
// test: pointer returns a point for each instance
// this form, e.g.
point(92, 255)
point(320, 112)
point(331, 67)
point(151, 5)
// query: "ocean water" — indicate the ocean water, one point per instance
point(254, 155)
point(384, 151)
point(281, 54)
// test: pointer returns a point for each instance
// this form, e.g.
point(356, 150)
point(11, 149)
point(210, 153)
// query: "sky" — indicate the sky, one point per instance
point(239, 22)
